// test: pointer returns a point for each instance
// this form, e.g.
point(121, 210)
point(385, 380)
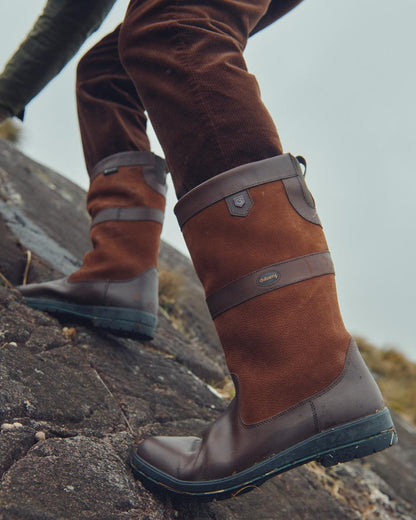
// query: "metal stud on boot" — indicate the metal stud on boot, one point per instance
point(117, 286)
point(303, 391)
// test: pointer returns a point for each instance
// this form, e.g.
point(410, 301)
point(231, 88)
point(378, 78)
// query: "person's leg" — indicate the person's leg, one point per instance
point(110, 113)
point(302, 390)
point(116, 287)
point(185, 58)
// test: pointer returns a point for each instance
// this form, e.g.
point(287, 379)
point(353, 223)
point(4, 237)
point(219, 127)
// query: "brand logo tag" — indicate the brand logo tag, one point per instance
point(268, 278)
point(239, 201)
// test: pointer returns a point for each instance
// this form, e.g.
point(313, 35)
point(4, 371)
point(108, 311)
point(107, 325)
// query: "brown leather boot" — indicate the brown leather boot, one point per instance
point(117, 286)
point(303, 392)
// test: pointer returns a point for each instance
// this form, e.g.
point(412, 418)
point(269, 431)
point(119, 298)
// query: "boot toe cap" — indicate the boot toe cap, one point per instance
point(173, 456)
point(42, 290)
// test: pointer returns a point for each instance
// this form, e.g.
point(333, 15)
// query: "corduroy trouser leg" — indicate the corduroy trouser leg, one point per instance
point(111, 115)
point(186, 61)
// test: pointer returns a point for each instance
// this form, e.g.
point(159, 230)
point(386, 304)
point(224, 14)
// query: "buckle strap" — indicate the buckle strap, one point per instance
point(128, 214)
point(268, 279)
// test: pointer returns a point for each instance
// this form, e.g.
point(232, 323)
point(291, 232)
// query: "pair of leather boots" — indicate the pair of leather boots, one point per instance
point(303, 392)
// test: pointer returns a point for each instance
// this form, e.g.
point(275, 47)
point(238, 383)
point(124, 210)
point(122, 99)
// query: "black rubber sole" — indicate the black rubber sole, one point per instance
point(124, 321)
point(341, 444)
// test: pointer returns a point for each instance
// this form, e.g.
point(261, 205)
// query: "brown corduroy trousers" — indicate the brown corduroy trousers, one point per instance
point(182, 62)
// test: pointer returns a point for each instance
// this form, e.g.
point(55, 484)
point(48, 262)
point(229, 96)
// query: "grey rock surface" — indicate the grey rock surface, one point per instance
point(74, 399)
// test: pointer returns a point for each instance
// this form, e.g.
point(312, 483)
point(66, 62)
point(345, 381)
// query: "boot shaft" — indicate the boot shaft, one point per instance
point(303, 392)
point(258, 247)
point(126, 201)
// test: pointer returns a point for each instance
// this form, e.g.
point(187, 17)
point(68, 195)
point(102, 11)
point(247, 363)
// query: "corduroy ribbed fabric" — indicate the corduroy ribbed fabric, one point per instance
point(111, 115)
point(185, 58)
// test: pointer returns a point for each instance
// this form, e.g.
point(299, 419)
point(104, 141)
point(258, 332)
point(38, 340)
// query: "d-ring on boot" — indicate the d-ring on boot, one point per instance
point(303, 391)
point(117, 286)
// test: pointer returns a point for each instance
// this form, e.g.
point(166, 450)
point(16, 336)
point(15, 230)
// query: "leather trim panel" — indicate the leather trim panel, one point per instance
point(269, 279)
point(228, 445)
point(139, 292)
point(300, 204)
point(128, 214)
point(233, 181)
point(154, 167)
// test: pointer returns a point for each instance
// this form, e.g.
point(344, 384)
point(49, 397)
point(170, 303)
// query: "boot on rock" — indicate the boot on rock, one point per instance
point(303, 392)
point(117, 286)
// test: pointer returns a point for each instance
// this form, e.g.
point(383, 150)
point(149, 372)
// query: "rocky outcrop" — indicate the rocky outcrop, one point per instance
point(74, 399)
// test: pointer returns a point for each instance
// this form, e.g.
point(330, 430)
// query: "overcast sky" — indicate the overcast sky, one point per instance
point(340, 81)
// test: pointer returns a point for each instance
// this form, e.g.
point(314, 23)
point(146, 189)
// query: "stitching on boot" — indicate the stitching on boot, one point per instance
point(315, 417)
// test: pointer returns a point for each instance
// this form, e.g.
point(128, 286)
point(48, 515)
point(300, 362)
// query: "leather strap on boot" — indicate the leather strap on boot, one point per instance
point(128, 215)
point(234, 184)
point(269, 279)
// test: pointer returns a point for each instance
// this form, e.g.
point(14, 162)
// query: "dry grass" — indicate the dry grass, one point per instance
point(10, 131)
point(170, 285)
point(225, 388)
point(395, 375)
point(5, 282)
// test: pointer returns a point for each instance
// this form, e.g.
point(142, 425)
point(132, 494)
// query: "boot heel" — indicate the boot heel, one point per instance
point(359, 449)
point(359, 441)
